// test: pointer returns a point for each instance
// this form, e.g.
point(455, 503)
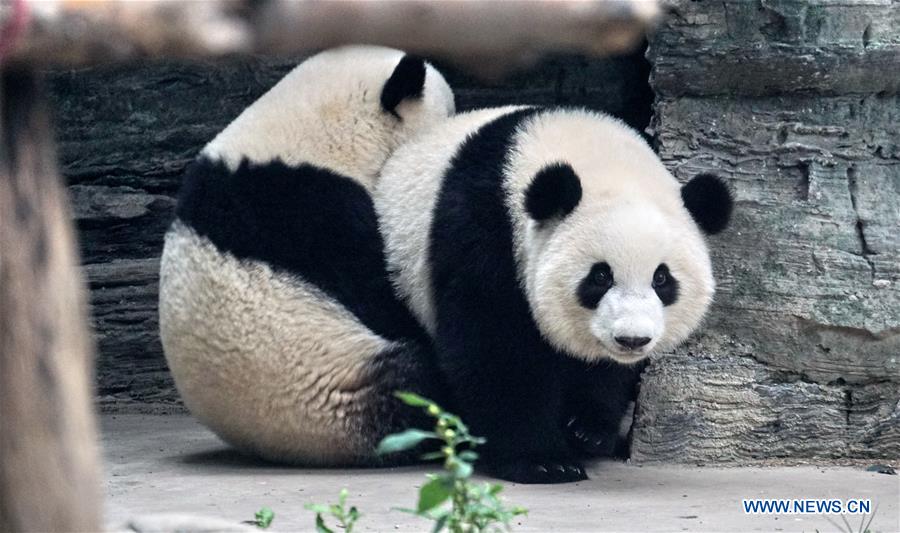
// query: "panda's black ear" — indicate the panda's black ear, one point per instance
point(407, 81)
point(554, 192)
point(709, 202)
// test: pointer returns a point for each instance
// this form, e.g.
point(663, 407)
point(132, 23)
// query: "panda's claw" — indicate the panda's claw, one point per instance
point(539, 471)
point(576, 470)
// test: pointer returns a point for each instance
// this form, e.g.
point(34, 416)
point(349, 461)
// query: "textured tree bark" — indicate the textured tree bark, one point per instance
point(796, 104)
point(49, 476)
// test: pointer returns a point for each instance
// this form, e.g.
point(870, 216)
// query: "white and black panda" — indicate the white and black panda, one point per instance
point(548, 252)
point(277, 318)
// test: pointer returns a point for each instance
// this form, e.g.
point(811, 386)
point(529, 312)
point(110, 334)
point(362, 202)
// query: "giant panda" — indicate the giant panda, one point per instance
point(548, 252)
point(277, 318)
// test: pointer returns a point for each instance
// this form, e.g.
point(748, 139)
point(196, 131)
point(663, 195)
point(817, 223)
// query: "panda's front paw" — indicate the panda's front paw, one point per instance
point(538, 471)
point(591, 440)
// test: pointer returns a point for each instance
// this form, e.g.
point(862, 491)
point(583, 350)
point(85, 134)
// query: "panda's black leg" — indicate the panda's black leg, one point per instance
point(597, 398)
point(506, 385)
point(591, 438)
point(409, 366)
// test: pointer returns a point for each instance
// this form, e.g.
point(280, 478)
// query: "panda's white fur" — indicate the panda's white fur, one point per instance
point(266, 359)
point(631, 214)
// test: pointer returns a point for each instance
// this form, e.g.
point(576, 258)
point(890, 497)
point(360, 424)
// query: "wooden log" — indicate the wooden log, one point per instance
point(49, 475)
point(486, 36)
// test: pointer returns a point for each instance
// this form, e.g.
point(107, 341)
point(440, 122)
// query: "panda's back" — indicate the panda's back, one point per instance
point(307, 222)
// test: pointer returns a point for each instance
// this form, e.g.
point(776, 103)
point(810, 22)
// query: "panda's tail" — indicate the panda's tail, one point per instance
point(408, 366)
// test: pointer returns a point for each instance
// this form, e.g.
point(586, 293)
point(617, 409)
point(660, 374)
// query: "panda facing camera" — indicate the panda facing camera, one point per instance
point(552, 253)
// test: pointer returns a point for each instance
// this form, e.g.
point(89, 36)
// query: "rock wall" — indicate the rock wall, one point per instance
point(796, 103)
point(126, 133)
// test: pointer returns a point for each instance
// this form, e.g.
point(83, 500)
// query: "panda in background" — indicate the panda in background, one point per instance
point(277, 317)
point(549, 253)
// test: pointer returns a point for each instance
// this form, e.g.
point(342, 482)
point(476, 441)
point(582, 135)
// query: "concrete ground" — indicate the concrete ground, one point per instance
point(170, 464)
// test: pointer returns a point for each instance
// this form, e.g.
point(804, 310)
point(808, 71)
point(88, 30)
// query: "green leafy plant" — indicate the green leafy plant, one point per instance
point(346, 518)
point(450, 498)
point(263, 518)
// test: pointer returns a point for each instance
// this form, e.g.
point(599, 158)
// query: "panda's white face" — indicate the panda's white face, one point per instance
point(609, 246)
point(619, 281)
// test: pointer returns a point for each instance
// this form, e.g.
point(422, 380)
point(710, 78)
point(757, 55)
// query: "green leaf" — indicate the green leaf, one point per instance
point(461, 469)
point(413, 399)
point(320, 525)
point(440, 523)
point(264, 517)
point(439, 512)
point(468, 455)
point(432, 494)
point(399, 442)
point(432, 456)
point(454, 421)
point(317, 508)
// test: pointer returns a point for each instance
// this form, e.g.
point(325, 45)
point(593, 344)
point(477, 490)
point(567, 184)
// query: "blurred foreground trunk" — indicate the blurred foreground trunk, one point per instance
point(487, 37)
point(49, 474)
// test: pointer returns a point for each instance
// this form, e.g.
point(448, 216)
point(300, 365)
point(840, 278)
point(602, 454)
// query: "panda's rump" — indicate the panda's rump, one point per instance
point(267, 361)
point(277, 318)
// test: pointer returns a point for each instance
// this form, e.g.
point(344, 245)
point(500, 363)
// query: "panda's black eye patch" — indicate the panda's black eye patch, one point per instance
point(665, 285)
point(594, 285)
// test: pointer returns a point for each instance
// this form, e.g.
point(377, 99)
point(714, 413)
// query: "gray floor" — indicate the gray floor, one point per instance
point(169, 464)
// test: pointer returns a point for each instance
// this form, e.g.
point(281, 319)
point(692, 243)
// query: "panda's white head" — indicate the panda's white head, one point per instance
point(345, 109)
point(611, 249)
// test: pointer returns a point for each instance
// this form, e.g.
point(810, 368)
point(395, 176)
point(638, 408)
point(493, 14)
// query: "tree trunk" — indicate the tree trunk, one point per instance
point(49, 475)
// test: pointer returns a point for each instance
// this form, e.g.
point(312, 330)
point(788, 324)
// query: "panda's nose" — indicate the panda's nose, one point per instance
point(633, 343)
